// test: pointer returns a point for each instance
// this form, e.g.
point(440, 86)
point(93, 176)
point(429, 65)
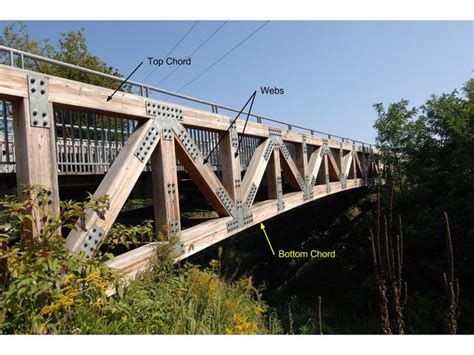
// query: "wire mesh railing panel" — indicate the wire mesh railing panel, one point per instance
point(7, 157)
point(88, 143)
point(248, 144)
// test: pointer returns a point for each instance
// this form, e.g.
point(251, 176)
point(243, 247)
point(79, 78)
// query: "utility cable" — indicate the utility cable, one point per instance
point(175, 46)
point(194, 52)
point(223, 57)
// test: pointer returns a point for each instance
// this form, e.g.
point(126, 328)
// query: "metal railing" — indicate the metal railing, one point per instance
point(88, 143)
point(18, 56)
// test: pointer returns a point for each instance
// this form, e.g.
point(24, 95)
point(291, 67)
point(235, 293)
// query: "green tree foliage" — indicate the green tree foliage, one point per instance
point(429, 154)
point(71, 48)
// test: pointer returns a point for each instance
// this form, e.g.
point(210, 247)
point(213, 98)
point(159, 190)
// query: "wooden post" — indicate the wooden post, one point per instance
point(323, 173)
point(302, 159)
point(273, 172)
point(165, 188)
point(35, 156)
point(231, 176)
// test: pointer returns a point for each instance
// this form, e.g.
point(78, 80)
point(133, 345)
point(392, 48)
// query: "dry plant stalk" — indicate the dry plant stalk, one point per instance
point(320, 323)
point(388, 273)
point(451, 284)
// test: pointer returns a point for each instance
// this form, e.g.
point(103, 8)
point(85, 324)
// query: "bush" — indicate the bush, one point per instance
point(48, 290)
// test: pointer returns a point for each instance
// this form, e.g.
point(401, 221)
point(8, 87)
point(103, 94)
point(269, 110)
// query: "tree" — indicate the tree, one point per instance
point(71, 48)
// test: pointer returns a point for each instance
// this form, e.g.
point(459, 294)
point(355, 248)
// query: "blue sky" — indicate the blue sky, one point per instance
point(332, 72)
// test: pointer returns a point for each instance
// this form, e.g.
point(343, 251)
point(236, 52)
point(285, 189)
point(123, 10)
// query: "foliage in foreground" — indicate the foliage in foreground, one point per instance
point(45, 289)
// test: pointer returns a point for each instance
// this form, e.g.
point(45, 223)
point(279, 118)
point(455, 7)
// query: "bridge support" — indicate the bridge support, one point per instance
point(165, 187)
point(35, 146)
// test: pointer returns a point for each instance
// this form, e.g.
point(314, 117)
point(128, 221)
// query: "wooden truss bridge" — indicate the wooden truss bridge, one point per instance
point(163, 138)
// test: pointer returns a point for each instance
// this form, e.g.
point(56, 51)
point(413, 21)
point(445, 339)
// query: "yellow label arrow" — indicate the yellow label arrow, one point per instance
point(262, 227)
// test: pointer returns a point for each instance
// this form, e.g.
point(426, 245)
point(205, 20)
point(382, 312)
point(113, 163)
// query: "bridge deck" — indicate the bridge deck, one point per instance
point(158, 135)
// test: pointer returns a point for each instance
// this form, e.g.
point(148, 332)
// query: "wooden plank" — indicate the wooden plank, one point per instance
point(203, 176)
point(117, 184)
point(35, 158)
point(255, 170)
point(165, 187)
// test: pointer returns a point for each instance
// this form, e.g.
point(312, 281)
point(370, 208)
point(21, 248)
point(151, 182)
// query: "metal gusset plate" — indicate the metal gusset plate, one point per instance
point(232, 225)
point(188, 143)
point(251, 196)
point(343, 181)
point(274, 132)
point(247, 219)
point(225, 199)
point(167, 133)
point(92, 240)
point(280, 202)
point(171, 188)
point(174, 226)
point(163, 111)
point(234, 136)
point(39, 106)
point(308, 194)
point(325, 148)
point(268, 151)
point(148, 143)
point(301, 183)
point(284, 150)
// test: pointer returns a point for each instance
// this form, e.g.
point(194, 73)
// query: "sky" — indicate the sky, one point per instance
point(332, 72)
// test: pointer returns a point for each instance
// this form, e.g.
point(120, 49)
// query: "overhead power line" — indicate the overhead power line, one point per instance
point(175, 46)
point(194, 52)
point(224, 56)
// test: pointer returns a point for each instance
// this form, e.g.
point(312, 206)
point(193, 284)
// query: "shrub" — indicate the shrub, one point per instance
point(48, 290)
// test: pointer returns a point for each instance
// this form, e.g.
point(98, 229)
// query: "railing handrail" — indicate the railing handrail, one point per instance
point(145, 88)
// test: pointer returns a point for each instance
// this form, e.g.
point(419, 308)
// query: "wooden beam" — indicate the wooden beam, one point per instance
point(334, 171)
point(231, 175)
point(301, 159)
point(256, 169)
point(204, 178)
point(66, 93)
point(35, 150)
point(289, 167)
point(273, 173)
point(358, 166)
point(117, 184)
point(346, 163)
point(314, 164)
point(165, 187)
point(208, 233)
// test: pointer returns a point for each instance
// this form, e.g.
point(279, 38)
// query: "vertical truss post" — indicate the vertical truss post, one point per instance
point(35, 144)
point(165, 186)
point(302, 159)
point(354, 162)
point(274, 181)
point(231, 175)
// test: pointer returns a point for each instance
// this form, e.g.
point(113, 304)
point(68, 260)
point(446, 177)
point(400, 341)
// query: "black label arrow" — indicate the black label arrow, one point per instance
point(251, 98)
point(245, 125)
point(123, 82)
